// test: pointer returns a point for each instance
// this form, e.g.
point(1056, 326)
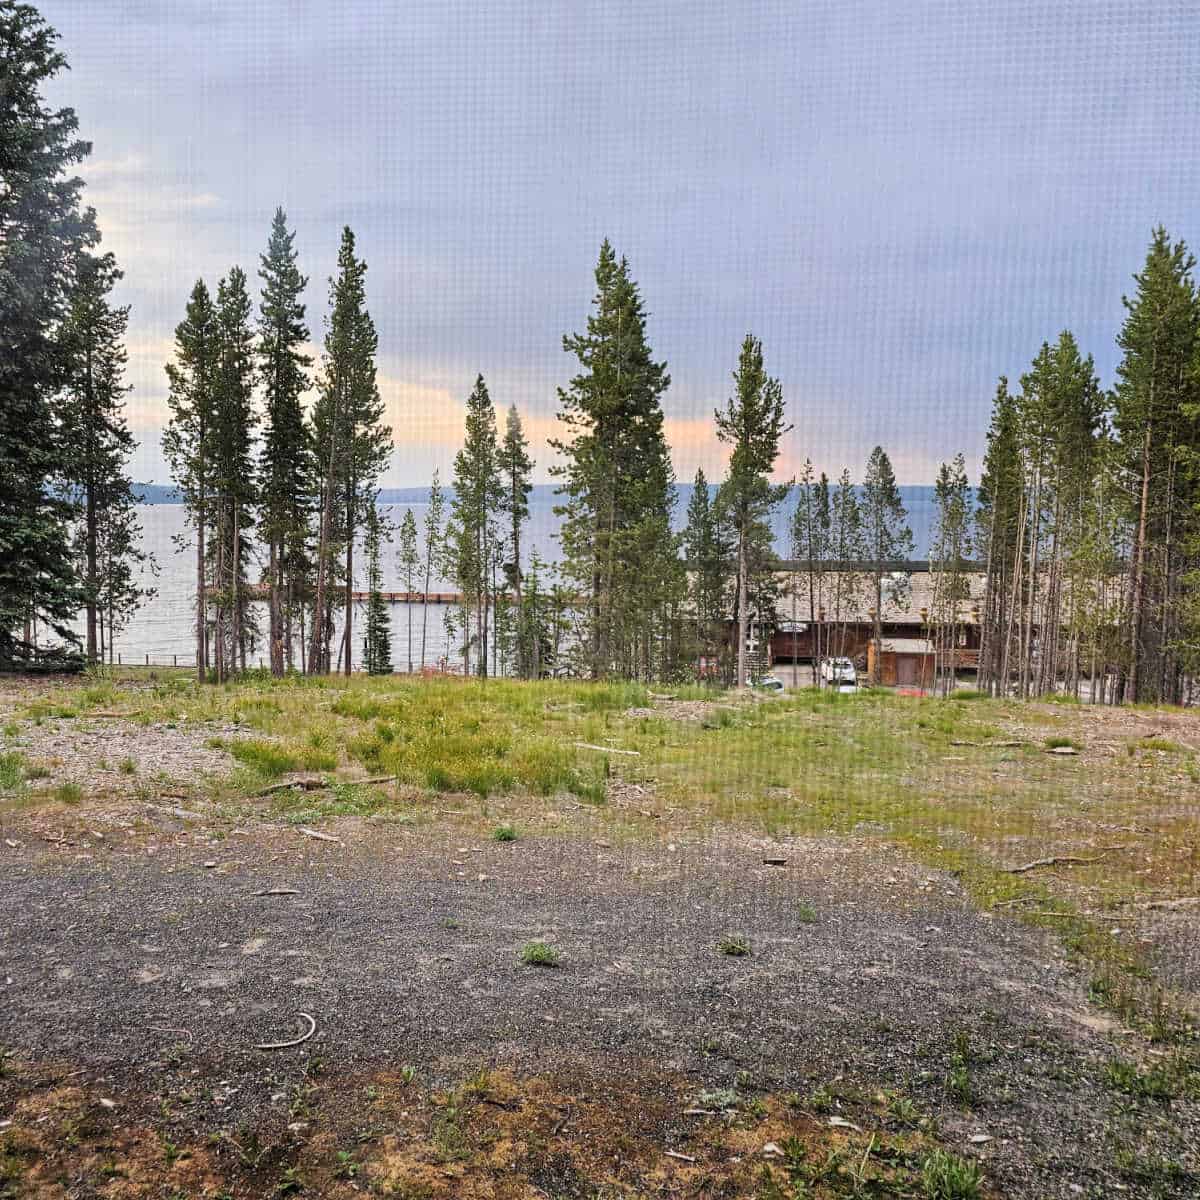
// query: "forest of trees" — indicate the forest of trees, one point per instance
point(1083, 538)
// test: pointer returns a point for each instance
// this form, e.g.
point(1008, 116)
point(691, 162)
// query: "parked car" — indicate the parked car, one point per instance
point(838, 671)
point(768, 683)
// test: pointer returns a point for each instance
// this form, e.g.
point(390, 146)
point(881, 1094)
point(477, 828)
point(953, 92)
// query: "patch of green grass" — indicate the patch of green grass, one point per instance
point(806, 912)
point(504, 833)
point(1058, 742)
point(68, 792)
point(267, 758)
point(945, 1176)
point(1157, 1083)
point(1160, 743)
point(12, 771)
point(538, 954)
point(735, 947)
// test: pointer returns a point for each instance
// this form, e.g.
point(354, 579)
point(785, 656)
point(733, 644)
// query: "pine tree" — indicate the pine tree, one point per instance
point(810, 532)
point(433, 548)
point(43, 233)
point(408, 559)
point(188, 438)
point(949, 554)
point(352, 447)
point(233, 479)
point(752, 423)
point(377, 636)
point(887, 537)
point(516, 468)
point(1155, 390)
point(97, 446)
point(706, 555)
point(286, 465)
point(847, 547)
point(477, 497)
point(619, 553)
point(998, 536)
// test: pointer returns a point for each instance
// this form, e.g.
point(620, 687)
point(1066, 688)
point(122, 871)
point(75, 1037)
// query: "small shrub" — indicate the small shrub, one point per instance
point(735, 947)
point(127, 766)
point(504, 833)
point(948, 1177)
point(806, 912)
point(538, 954)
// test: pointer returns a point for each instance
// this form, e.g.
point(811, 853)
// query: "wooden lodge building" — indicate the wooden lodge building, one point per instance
point(802, 635)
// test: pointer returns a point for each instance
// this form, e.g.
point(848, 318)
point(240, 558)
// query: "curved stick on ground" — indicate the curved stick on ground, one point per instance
point(312, 1028)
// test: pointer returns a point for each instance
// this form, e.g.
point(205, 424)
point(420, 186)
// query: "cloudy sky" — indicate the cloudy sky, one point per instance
point(902, 199)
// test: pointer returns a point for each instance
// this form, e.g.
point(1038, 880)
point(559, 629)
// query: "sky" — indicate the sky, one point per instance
point(902, 200)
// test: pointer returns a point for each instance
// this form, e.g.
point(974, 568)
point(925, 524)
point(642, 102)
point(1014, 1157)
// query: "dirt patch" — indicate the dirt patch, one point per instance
point(154, 968)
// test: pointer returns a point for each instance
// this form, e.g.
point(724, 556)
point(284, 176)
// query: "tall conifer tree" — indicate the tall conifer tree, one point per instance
point(97, 446)
point(188, 438)
point(752, 423)
point(43, 231)
point(619, 553)
point(286, 465)
point(887, 538)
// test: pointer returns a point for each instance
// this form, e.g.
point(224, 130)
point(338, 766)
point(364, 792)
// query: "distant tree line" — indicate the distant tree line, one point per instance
point(1083, 537)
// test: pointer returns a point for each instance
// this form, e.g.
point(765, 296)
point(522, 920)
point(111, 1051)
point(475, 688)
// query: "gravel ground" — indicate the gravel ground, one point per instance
point(403, 944)
point(92, 751)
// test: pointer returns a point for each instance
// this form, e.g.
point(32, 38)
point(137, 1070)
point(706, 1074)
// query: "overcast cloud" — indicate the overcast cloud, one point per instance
point(901, 199)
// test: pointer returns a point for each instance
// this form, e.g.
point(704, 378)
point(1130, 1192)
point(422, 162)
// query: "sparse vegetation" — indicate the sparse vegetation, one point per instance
point(538, 954)
point(947, 1177)
point(735, 947)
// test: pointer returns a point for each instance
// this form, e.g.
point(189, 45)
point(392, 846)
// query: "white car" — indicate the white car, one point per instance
point(838, 672)
point(769, 683)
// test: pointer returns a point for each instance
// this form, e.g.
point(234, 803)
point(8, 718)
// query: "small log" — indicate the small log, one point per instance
point(607, 749)
point(305, 785)
point(321, 837)
point(1062, 860)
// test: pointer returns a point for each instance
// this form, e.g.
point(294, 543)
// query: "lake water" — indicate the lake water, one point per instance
point(165, 625)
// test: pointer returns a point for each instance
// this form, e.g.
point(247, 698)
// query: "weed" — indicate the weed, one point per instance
point(538, 954)
point(958, 1079)
point(407, 1074)
point(68, 793)
point(947, 1177)
point(806, 913)
point(735, 947)
point(504, 833)
point(127, 766)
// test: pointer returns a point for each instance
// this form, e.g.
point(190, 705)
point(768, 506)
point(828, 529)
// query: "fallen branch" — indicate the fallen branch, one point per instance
point(609, 750)
point(137, 712)
point(304, 785)
point(182, 814)
point(985, 745)
point(374, 779)
point(278, 891)
point(682, 1157)
point(321, 837)
point(1062, 860)
point(312, 1028)
point(1181, 902)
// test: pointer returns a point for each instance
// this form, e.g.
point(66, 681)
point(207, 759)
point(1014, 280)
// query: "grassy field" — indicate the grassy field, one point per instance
point(1082, 821)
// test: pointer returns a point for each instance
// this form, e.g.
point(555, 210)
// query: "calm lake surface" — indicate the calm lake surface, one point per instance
point(165, 625)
